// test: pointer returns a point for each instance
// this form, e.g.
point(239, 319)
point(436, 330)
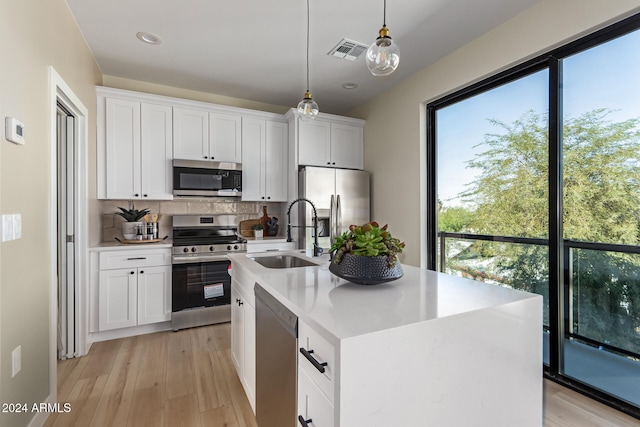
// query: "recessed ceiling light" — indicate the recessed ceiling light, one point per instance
point(148, 38)
point(349, 85)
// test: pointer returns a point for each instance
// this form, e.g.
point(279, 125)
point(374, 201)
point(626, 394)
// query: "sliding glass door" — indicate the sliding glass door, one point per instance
point(534, 184)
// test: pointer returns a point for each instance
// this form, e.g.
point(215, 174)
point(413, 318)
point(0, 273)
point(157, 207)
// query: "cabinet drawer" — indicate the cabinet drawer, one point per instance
point(319, 349)
point(312, 404)
point(110, 260)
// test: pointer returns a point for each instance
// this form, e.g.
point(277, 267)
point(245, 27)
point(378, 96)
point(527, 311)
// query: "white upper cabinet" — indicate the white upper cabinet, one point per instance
point(134, 150)
point(329, 141)
point(204, 135)
point(264, 160)
point(225, 138)
point(190, 134)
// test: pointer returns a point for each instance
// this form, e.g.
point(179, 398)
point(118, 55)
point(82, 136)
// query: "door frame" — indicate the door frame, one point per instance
point(60, 92)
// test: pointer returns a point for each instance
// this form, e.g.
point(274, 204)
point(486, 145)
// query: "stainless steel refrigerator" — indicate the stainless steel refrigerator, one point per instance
point(341, 198)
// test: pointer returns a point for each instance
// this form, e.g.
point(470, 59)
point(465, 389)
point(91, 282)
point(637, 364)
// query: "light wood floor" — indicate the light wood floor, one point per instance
point(186, 378)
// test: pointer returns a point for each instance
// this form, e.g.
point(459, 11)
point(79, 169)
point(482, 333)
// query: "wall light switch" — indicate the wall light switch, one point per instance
point(7, 228)
point(17, 226)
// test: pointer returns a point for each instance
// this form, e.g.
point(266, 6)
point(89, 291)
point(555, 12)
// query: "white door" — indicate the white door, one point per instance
point(156, 142)
point(118, 299)
point(190, 134)
point(314, 143)
point(346, 146)
point(225, 139)
point(253, 136)
point(67, 318)
point(276, 156)
point(154, 294)
point(123, 149)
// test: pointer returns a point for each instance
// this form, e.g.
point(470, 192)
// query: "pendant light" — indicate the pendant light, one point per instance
point(383, 56)
point(308, 108)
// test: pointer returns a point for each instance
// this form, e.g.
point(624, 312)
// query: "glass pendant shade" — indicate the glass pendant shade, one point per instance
point(383, 56)
point(307, 108)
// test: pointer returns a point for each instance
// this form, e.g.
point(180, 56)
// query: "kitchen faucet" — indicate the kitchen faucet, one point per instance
point(317, 250)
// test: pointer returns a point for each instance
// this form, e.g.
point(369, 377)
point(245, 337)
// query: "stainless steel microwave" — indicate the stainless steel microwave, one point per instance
point(194, 178)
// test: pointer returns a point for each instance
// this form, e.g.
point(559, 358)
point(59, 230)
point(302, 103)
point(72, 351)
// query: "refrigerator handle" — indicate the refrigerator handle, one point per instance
point(332, 222)
point(338, 215)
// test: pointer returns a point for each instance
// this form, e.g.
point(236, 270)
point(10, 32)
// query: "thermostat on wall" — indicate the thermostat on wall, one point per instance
point(14, 130)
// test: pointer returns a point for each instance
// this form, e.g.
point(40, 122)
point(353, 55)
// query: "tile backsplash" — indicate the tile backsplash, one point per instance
point(112, 223)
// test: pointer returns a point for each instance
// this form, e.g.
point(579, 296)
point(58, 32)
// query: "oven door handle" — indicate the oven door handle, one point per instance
point(176, 259)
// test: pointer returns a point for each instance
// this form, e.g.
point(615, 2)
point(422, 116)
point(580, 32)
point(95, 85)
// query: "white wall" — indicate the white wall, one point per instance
point(34, 34)
point(395, 149)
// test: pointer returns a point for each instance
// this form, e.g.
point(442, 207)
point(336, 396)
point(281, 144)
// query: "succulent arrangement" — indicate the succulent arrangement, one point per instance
point(367, 240)
point(133, 214)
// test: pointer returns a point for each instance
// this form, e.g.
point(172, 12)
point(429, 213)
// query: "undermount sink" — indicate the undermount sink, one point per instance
point(283, 261)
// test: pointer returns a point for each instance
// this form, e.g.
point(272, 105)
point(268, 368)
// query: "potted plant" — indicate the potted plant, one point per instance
point(258, 231)
point(367, 254)
point(132, 219)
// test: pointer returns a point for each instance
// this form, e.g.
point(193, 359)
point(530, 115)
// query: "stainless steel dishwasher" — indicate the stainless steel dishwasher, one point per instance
point(276, 366)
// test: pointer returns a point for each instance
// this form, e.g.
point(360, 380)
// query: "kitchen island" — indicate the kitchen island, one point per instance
point(429, 349)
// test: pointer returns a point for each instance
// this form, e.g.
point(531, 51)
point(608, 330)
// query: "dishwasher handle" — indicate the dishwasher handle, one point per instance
point(307, 353)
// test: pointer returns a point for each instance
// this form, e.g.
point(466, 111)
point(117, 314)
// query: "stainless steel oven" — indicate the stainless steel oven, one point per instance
point(201, 283)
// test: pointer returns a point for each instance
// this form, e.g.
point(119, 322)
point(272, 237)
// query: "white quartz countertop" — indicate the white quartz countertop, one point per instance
point(344, 309)
point(106, 246)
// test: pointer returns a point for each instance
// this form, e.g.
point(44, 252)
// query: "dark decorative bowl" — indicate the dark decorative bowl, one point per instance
point(366, 270)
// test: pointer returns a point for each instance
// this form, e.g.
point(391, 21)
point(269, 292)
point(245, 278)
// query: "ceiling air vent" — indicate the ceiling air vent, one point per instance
point(348, 49)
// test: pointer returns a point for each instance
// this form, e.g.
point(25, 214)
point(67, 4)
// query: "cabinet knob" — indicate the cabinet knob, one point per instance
point(206, 157)
point(268, 197)
point(333, 163)
point(141, 271)
point(144, 195)
point(303, 422)
point(133, 272)
point(328, 163)
point(240, 303)
point(136, 195)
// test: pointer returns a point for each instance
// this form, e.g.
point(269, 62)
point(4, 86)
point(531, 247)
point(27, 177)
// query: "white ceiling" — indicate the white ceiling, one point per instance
point(255, 49)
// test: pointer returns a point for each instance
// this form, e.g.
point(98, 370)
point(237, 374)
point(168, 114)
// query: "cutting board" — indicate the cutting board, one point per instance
point(246, 227)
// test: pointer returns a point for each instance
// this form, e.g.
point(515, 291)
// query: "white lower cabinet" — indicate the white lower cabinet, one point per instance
point(243, 338)
point(130, 291)
point(314, 408)
point(316, 378)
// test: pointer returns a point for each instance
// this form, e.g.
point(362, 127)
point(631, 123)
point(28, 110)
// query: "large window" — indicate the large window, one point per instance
point(535, 185)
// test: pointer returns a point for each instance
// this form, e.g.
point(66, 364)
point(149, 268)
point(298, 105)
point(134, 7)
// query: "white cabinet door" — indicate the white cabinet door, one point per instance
point(190, 134)
point(237, 329)
point(276, 157)
point(346, 146)
point(314, 143)
point(264, 160)
point(313, 404)
point(156, 152)
point(225, 138)
point(122, 138)
point(154, 294)
point(249, 362)
point(253, 145)
point(117, 299)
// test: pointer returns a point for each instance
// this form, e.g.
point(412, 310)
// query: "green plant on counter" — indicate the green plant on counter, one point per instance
point(367, 240)
point(258, 227)
point(133, 214)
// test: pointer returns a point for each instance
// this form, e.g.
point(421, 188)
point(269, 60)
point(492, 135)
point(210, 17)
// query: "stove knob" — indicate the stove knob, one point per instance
point(211, 248)
point(235, 247)
point(229, 247)
point(193, 249)
point(185, 250)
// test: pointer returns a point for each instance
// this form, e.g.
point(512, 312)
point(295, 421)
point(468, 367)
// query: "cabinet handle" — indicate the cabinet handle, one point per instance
point(141, 272)
point(136, 195)
point(319, 366)
point(237, 301)
point(262, 197)
point(240, 303)
point(133, 272)
point(333, 163)
point(133, 259)
point(303, 422)
point(268, 197)
point(328, 163)
point(206, 157)
point(144, 195)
